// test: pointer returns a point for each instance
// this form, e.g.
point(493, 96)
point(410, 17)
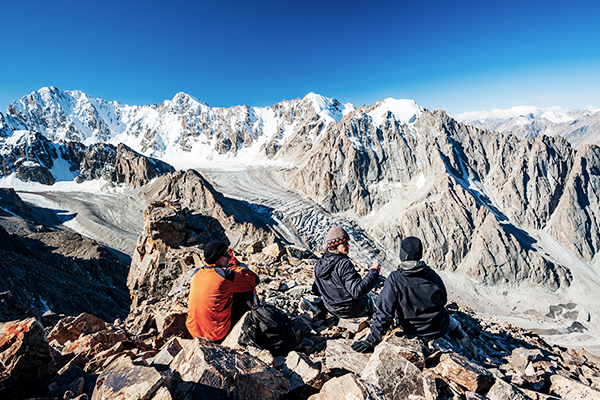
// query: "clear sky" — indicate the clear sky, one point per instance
point(453, 55)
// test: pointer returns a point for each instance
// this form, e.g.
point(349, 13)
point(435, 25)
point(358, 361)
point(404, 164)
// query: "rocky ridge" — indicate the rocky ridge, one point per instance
point(149, 355)
point(32, 157)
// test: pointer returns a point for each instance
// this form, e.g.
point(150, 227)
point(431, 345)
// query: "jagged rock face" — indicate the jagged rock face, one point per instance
point(5, 131)
point(50, 112)
point(120, 165)
point(575, 221)
point(33, 158)
point(224, 217)
point(30, 155)
point(185, 213)
point(482, 185)
point(353, 158)
point(24, 359)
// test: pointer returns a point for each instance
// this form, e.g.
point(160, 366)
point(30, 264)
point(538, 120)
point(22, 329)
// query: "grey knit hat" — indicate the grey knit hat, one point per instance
point(336, 235)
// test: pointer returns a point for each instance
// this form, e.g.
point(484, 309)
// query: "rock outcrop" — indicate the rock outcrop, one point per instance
point(32, 157)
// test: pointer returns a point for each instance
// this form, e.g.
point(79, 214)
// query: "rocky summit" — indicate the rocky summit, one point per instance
point(150, 355)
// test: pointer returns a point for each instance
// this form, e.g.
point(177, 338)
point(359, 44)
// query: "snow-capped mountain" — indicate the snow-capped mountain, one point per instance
point(579, 127)
point(184, 130)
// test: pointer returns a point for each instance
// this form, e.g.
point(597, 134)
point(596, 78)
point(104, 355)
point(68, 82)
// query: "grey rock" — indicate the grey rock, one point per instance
point(123, 378)
point(348, 386)
point(505, 391)
point(393, 374)
point(205, 366)
point(339, 354)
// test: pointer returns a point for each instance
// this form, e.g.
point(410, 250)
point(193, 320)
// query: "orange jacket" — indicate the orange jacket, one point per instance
point(211, 297)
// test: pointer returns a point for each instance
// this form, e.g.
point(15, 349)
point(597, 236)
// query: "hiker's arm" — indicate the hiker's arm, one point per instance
point(354, 284)
point(245, 280)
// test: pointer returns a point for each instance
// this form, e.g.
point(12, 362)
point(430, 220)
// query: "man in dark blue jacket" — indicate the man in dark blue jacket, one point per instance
point(343, 291)
point(417, 295)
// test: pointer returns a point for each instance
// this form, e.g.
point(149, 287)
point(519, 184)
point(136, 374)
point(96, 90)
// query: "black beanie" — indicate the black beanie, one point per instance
point(213, 251)
point(411, 249)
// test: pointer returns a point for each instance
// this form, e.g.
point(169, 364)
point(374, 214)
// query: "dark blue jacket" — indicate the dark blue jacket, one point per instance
point(343, 291)
point(417, 294)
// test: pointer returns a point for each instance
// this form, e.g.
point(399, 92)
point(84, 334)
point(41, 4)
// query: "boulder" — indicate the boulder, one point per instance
point(94, 343)
point(24, 359)
point(522, 357)
point(435, 387)
point(171, 321)
point(167, 353)
point(300, 370)
point(339, 354)
point(70, 328)
point(464, 373)
point(207, 369)
point(410, 348)
point(238, 339)
point(122, 379)
point(393, 374)
point(354, 324)
point(348, 386)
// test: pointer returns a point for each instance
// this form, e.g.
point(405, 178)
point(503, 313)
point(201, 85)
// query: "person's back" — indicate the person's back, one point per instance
point(416, 295)
point(343, 291)
point(420, 295)
point(218, 294)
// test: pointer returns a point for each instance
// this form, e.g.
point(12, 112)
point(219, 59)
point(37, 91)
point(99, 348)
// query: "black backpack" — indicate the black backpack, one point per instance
point(271, 329)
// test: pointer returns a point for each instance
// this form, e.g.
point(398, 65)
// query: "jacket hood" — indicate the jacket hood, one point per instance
point(327, 263)
point(413, 266)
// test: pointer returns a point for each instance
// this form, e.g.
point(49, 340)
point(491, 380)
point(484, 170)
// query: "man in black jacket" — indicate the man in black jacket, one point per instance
point(417, 295)
point(343, 291)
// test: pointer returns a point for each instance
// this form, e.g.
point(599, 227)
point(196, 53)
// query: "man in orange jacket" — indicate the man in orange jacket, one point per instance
point(219, 293)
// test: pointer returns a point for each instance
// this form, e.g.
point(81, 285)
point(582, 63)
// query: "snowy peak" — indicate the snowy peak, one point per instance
point(328, 109)
point(404, 110)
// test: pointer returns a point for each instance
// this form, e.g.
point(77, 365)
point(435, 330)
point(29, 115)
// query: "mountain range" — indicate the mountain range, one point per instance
point(579, 127)
point(500, 212)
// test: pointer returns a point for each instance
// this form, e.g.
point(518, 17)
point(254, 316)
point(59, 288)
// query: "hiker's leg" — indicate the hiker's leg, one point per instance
point(240, 305)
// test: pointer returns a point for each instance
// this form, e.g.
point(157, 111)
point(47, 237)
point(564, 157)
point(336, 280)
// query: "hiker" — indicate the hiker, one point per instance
point(343, 291)
point(219, 293)
point(416, 295)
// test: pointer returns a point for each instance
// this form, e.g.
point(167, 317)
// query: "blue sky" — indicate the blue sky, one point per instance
point(453, 55)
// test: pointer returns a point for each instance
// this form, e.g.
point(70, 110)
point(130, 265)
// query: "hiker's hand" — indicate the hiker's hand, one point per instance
point(362, 346)
point(376, 267)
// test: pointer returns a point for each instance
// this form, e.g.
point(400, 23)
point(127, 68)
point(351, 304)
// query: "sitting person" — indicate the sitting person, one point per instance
point(343, 291)
point(219, 293)
point(417, 295)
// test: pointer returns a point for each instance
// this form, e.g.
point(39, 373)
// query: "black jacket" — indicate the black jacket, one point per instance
point(344, 292)
point(417, 294)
